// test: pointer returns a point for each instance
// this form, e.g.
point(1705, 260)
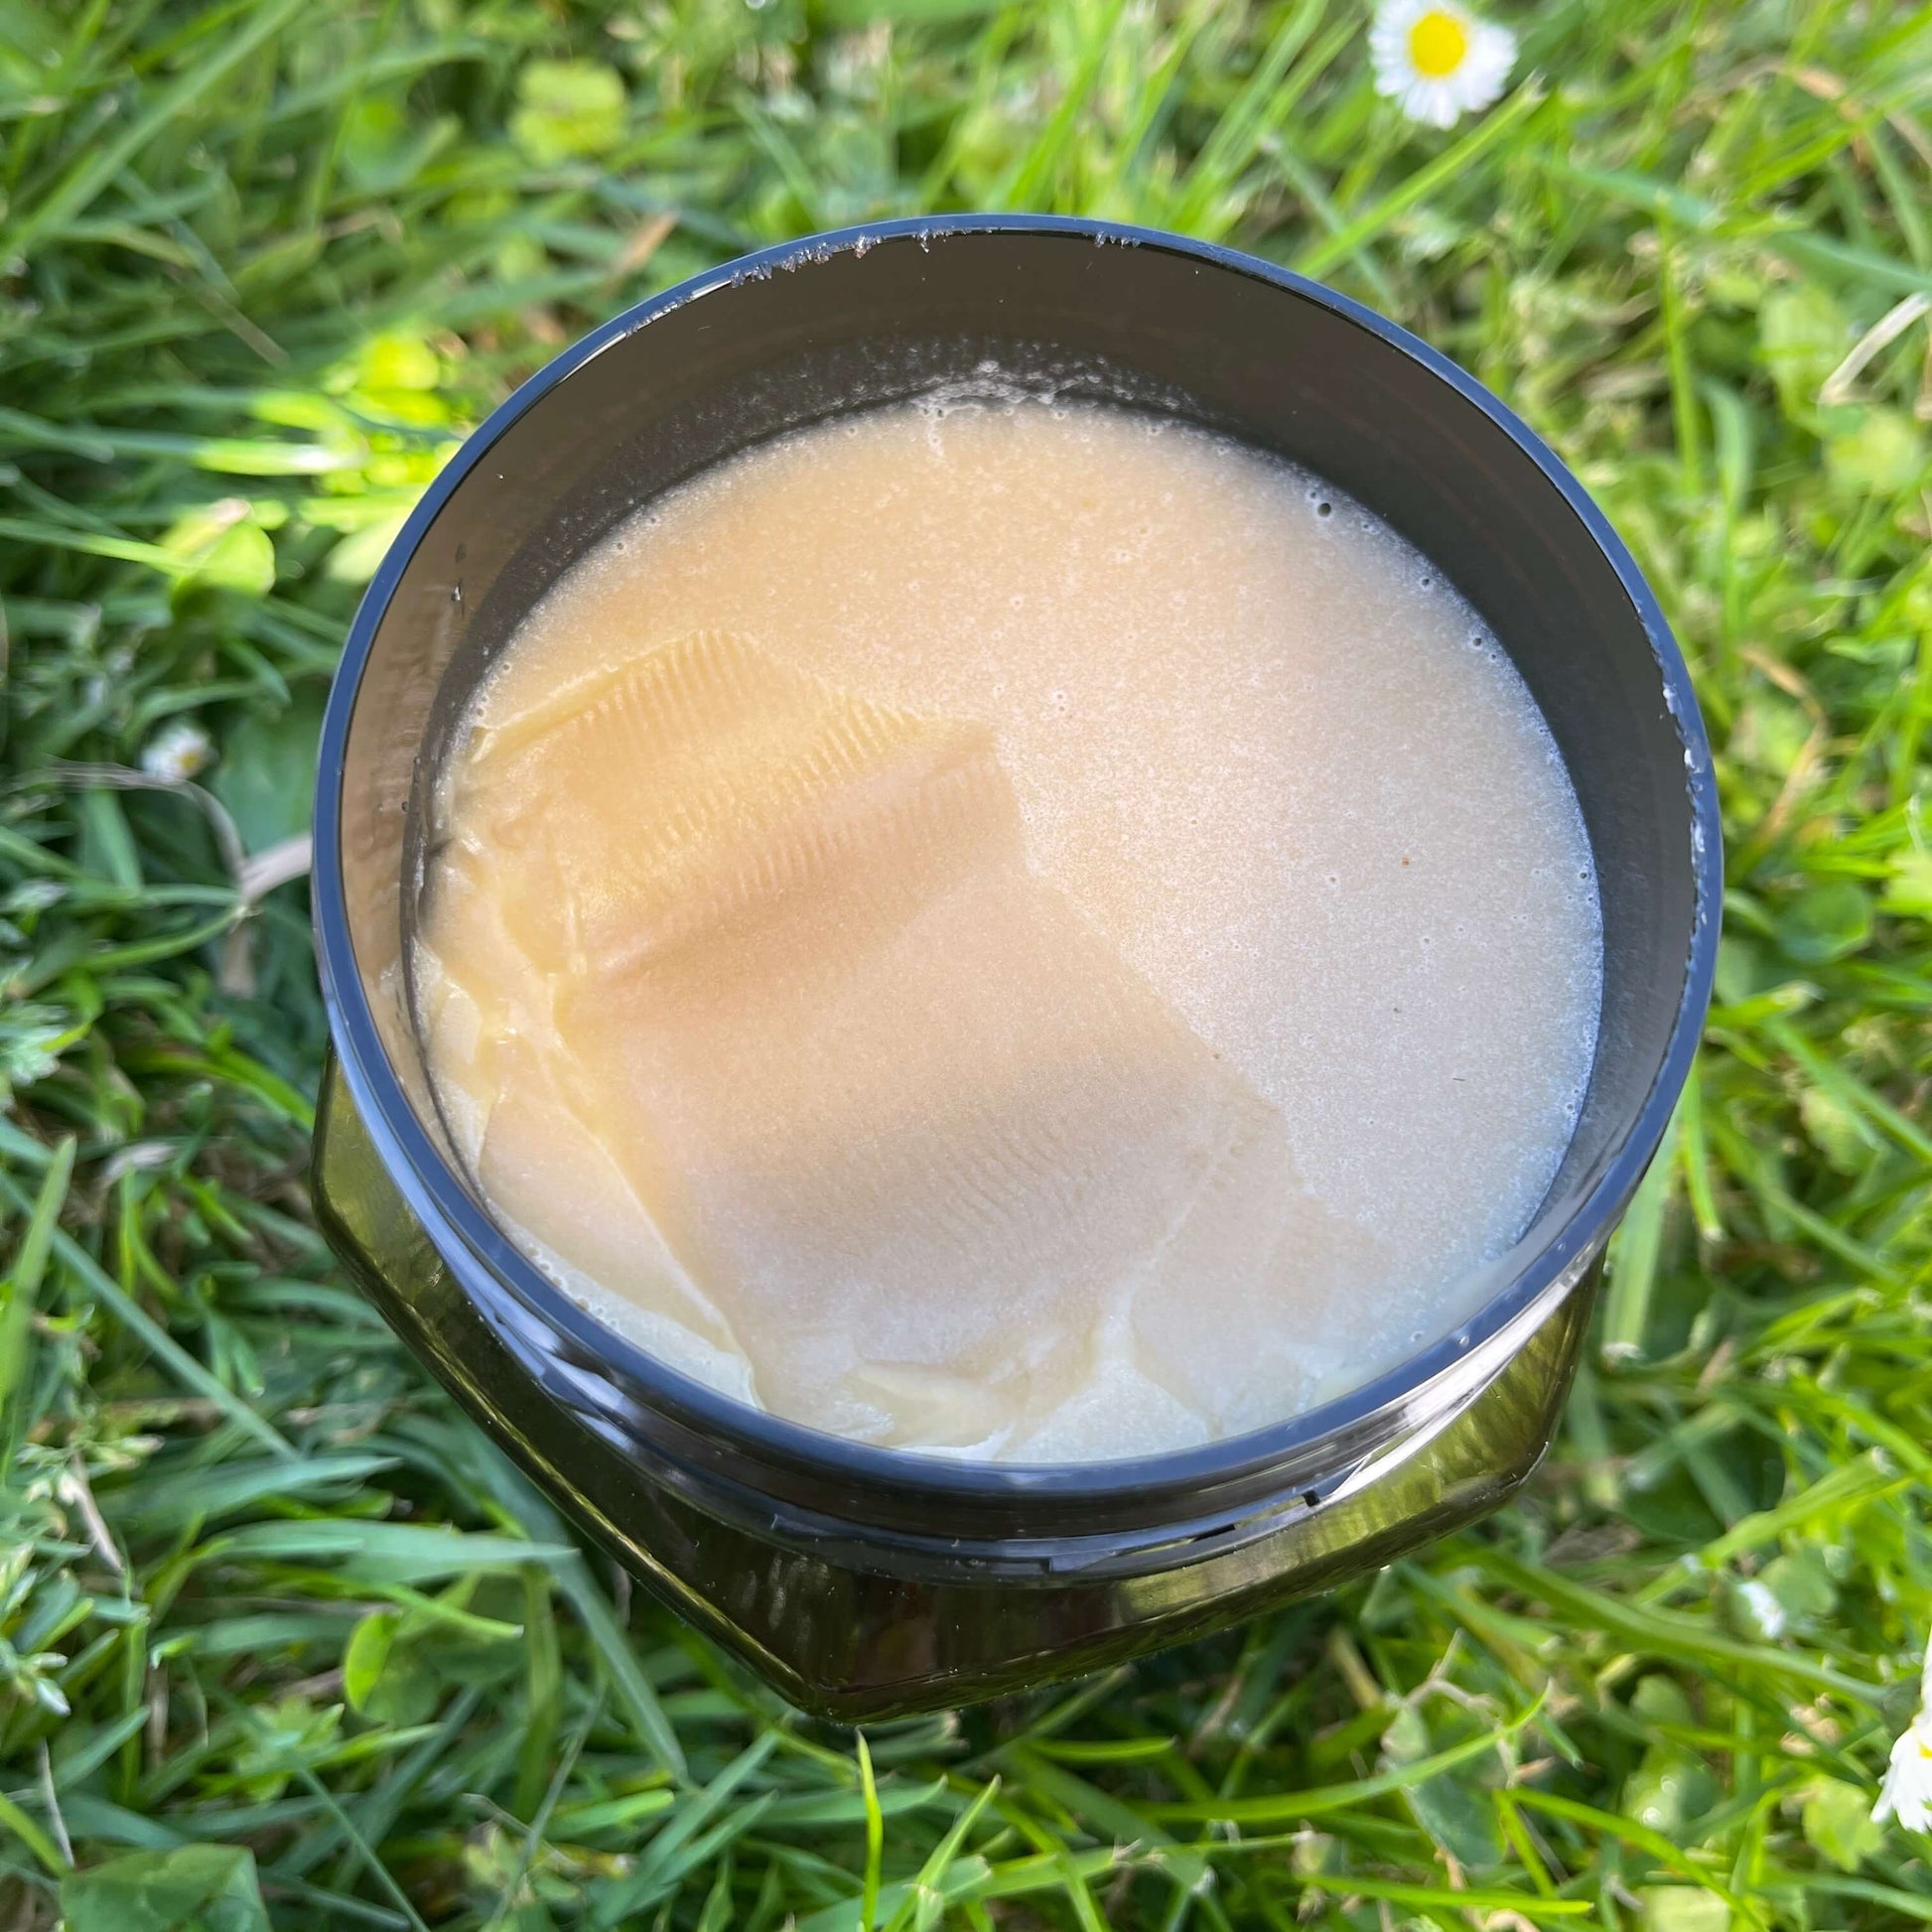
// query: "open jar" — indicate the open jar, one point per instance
point(865, 1581)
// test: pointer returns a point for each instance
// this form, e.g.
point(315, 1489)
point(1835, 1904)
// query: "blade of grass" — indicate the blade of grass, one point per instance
point(1454, 164)
point(95, 171)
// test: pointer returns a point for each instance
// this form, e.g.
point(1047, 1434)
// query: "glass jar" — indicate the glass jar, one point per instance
point(864, 1581)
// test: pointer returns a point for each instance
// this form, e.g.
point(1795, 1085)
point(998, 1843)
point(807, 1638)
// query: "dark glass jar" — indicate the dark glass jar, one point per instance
point(865, 1581)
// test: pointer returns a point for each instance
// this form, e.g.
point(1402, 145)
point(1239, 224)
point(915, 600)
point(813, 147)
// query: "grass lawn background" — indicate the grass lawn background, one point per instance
point(281, 1640)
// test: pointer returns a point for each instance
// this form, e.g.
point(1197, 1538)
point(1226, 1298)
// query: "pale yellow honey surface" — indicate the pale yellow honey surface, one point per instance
point(1014, 930)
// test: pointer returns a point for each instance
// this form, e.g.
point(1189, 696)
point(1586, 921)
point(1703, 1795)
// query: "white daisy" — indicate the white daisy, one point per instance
point(1907, 1791)
point(176, 751)
point(1436, 61)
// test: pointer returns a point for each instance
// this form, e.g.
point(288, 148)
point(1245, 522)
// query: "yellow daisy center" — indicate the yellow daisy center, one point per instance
point(1438, 44)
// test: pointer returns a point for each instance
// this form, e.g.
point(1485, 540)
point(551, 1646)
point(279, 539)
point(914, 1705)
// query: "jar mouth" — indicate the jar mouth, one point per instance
point(419, 616)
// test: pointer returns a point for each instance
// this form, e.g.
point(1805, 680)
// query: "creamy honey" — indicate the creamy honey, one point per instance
point(1011, 929)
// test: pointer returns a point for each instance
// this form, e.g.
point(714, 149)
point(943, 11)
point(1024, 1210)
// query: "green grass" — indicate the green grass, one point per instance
point(274, 1619)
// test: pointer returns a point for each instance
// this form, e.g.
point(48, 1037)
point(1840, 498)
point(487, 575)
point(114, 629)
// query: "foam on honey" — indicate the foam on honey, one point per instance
point(1010, 929)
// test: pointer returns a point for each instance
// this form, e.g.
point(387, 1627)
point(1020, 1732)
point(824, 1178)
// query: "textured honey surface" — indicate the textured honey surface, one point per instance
point(1011, 930)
